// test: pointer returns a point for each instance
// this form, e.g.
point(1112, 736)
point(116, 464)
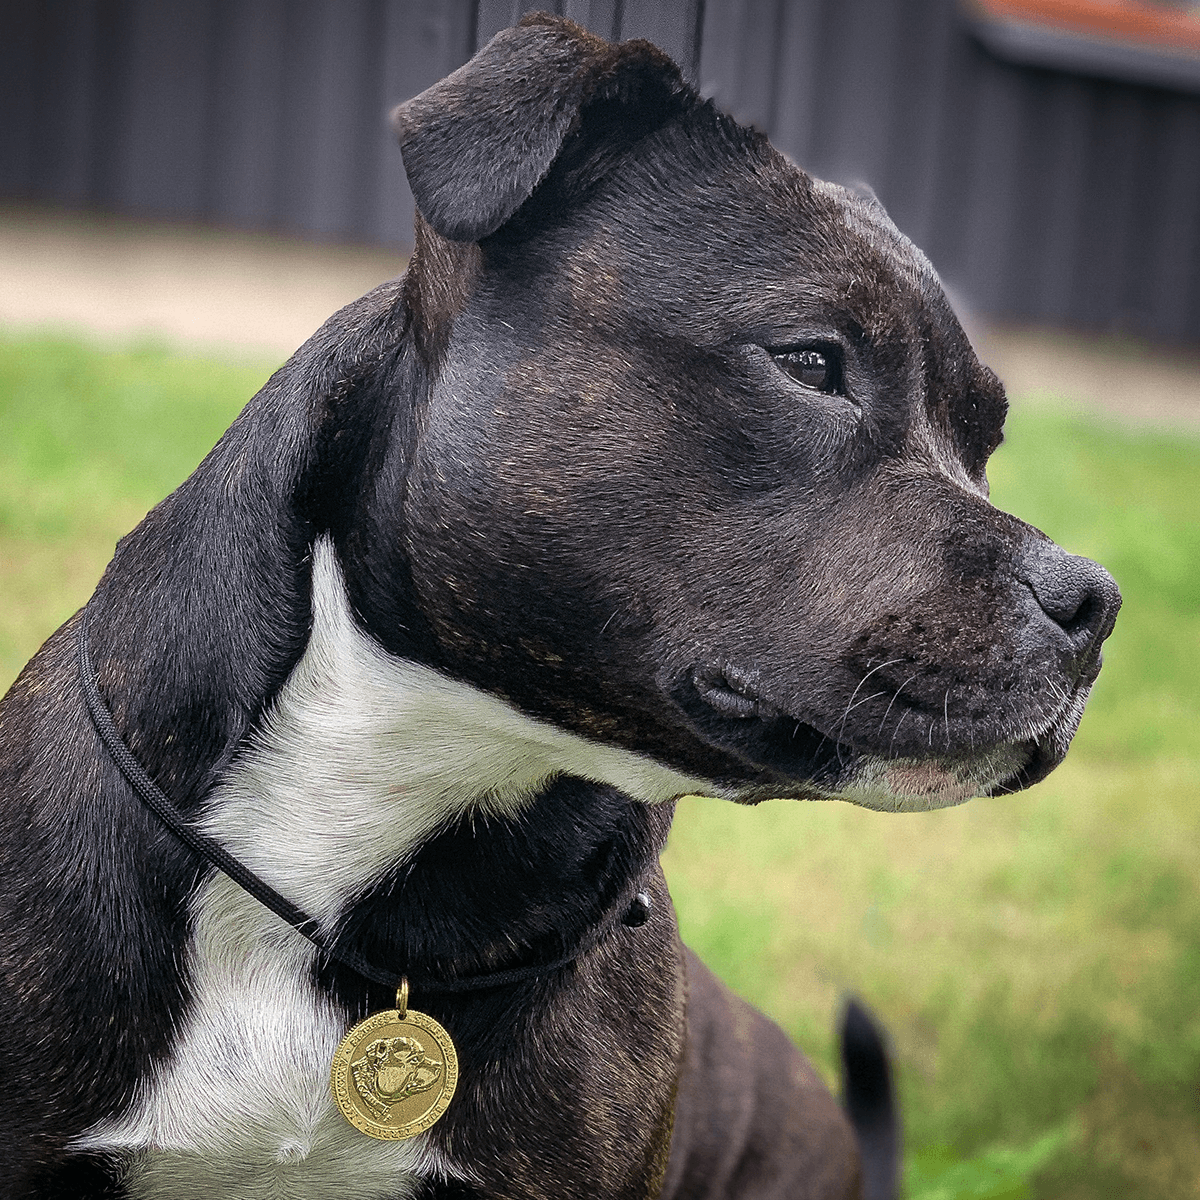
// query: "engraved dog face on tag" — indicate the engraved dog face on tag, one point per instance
point(392, 1070)
point(393, 1077)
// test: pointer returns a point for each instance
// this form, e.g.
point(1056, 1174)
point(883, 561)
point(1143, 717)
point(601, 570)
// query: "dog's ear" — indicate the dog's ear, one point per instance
point(477, 144)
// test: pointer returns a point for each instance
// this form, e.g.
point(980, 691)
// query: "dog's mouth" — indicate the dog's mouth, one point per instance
point(727, 709)
point(802, 760)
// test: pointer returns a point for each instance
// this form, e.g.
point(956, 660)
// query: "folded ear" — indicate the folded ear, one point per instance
point(478, 142)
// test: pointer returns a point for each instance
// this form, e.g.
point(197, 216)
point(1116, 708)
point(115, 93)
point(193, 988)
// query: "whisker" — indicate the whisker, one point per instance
point(837, 748)
point(824, 739)
point(1060, 693)
point(894, 699)
point(864, 700)
point(891, 662)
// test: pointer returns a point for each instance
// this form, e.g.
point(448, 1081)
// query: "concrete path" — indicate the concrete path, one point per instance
point(248, 294)
point(226, 293)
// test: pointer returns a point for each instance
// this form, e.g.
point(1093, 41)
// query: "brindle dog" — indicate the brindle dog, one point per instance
point(660, 471)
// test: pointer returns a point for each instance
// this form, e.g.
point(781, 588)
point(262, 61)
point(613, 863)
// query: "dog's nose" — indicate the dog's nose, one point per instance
point(1078, 595)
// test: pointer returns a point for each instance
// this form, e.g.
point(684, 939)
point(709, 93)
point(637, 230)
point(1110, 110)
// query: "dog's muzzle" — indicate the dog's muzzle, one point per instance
point(1064, 607)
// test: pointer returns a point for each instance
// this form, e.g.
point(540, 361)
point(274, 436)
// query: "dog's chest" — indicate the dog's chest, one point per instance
point(362, 761)
point(243, 1106)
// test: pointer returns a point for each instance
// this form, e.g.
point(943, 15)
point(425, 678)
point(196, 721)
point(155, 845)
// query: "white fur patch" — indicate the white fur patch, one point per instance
point(363, 758)
point(919, 785)
point(243, 1107)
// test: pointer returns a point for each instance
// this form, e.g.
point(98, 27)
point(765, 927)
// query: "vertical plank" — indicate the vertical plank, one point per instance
point(997, 175)
point(300, 57)
point(927, 45)
point(344, 64)
point(720, 50)
point(1170, 215)
point(951, 163)
point(20, 26)
point(858, 52)
point(1026, 243)
point(110, 101)
point(495, 15)
point(796, 80)
point(740, 58)
point(829, 154)
point(160, 163)
point(246, 113)
point(1159, 220)
point(600, 16)
point(1068, 129)
point(63, 124)
point(1093, 293)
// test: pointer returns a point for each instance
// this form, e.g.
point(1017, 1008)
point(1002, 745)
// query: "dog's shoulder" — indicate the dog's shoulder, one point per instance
point(753, 1118)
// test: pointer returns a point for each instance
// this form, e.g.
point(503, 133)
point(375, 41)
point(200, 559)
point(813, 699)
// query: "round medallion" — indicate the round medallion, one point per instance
point(394, 1076)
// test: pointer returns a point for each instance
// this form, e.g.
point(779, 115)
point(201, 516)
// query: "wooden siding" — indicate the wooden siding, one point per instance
point(1040, 195)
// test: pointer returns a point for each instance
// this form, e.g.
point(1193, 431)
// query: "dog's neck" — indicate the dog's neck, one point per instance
point(364, 758)
point(325, 757)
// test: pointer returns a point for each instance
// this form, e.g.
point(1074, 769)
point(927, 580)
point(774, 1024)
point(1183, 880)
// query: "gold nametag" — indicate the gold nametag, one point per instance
point(394, 1074)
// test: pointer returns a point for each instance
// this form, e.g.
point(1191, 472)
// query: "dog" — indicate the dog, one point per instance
point(660, 471)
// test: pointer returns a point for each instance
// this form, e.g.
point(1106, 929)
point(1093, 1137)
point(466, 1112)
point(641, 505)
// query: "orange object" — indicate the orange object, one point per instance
point(1151, 26)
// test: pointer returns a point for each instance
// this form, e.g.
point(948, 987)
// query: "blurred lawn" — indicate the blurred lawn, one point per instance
point(1036, 958)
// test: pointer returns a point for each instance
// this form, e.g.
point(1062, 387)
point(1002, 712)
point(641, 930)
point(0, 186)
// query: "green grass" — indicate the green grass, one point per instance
point(1036, 958)
point(88, 442)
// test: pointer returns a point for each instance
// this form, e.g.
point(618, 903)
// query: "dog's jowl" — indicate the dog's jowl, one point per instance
point(660, 471)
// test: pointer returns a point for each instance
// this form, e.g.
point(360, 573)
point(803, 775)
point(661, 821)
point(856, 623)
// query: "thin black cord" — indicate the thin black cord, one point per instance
point(156, 800)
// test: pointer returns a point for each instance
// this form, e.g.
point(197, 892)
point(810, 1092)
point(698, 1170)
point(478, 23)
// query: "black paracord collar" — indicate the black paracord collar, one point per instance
point(633, 912)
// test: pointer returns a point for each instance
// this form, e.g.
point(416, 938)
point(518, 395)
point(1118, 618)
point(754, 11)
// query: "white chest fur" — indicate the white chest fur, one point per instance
point(243, 1108)
point(362, 759)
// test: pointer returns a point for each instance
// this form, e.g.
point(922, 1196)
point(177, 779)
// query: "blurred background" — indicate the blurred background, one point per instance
point(1050, 169)
point(189, 187)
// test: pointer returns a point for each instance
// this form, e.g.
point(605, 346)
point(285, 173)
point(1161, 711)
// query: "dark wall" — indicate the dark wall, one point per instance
point(262, 114)
point(1040, 195)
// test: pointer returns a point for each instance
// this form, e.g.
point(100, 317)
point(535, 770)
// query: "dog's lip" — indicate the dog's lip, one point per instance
point(1046, 746)
point(732, 694)
point(1043, 752)
point(919, 785)
point(1039, 758)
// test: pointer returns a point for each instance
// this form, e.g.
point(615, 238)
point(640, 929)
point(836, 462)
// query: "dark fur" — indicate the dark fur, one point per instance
point(636, 497)
point(870, 1101)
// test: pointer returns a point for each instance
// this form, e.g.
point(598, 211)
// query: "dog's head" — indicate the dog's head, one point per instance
point(700, 467)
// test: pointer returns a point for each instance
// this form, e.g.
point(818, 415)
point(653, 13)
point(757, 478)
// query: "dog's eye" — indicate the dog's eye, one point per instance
point(818, 367)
